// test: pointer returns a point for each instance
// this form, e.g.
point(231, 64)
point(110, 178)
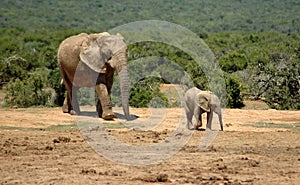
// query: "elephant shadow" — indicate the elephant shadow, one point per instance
point(122, 116)
point(199, 129)
point(88, 114)
point(118, 115)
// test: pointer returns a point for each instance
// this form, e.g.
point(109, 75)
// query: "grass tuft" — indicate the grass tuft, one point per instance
point(291, 126)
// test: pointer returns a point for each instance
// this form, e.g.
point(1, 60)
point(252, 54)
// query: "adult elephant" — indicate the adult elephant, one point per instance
point(90, 60)
point(198, 102)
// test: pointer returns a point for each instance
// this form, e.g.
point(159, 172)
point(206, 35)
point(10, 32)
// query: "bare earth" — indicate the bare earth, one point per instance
point(44, 146)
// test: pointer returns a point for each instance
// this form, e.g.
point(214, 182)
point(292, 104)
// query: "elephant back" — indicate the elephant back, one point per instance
point(69, 49)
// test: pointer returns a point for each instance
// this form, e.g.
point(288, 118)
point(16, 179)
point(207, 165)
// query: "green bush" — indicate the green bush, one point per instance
point(146, 93)
point(29, 92)
point(54, 81)
point(266, 62)
point(234, 98)
point(278, 81)
point(233, 61)
point(11, 67)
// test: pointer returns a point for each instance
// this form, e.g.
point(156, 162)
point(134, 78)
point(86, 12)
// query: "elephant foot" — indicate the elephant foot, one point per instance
point(190, 126)
point(108, 116)
point(72, 112)
point(197, 127)
point(65, 109)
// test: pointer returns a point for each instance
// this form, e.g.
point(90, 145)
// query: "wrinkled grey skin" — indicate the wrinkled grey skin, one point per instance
point(94, 58)
point(198, 102)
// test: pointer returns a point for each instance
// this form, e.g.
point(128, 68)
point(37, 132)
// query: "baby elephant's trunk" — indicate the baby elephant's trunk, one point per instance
point(220, 120)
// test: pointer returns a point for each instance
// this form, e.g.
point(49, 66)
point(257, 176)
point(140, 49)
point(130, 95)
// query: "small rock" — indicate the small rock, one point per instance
point(253, 163)
point(56, 141)
point(49, 147)
point(88, 171)
point(162, 178)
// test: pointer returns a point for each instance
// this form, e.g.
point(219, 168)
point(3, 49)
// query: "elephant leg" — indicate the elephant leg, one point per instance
point(76, 108)
point(209, 119)
point(189, 125)
point(68, 103)
point(105, 102)
point(189, 116)
point(99, 108)
point(66, 107)
point(198, 116)
point(199, 123)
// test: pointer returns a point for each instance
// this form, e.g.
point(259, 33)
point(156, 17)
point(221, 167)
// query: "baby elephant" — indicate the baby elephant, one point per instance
point(197, 102)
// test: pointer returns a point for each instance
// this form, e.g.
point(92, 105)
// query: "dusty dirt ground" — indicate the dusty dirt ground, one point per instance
point(44, 146)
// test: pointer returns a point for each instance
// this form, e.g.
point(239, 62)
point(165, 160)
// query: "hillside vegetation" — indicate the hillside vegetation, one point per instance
point(256, 44)
point(197, 15)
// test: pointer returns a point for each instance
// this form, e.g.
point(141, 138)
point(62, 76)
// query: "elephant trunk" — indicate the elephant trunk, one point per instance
point(220, 120)
point(122, 70)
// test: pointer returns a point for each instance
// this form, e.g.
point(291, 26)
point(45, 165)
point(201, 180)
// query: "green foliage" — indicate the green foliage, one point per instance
point(54, 81)
point(169, 64)
point(24, 51)
point(29, 92)
point(253, 57)
point(210, 16)
point(257, 49)
point(146, 93)
point(234, 98)
point(278, 81)
point(233, 61)
point(11, 67)
point(272, 63)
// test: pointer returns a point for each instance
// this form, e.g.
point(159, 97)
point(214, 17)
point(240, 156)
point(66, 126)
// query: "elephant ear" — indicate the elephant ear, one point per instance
point(90, 53)
point(111, 44)
point(203, 100)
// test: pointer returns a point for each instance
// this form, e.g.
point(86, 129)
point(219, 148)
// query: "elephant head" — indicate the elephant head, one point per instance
point(209, 102)
point(203, 100)
point(100, 51)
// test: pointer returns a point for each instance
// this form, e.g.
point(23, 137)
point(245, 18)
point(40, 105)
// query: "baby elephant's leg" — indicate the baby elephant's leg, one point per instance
point(199, 123)
point(189, 116)
point(198, 116)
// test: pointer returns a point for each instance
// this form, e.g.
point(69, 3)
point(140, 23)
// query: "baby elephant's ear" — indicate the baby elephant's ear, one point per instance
point(203, 100)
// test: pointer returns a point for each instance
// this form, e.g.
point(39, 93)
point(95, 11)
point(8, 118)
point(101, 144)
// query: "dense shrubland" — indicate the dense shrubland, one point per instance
point(260, 58)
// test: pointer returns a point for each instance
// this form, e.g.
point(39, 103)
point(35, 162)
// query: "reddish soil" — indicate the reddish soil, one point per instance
point(44, 146)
